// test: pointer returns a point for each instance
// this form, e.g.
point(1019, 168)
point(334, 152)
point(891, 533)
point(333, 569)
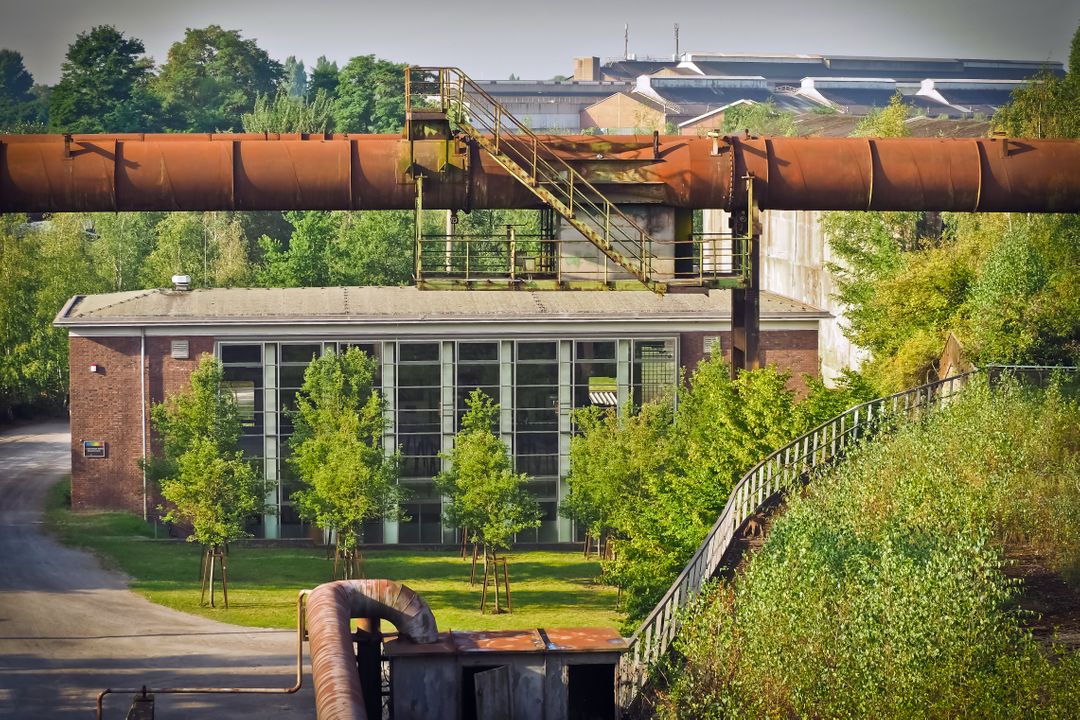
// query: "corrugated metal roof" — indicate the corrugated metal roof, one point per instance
point(345, 304)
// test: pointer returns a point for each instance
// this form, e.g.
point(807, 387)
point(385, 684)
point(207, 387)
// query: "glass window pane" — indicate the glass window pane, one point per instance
point(538, 465)
point(595, 350)
point(429, 444)
point(241, 354)
point(299, 353)
point(477, 375)
point(536, 351)
point(419, 398)
point(418, 352)
point(473, 352)
point(291, 376)
point(418, 376)
point(537, 374)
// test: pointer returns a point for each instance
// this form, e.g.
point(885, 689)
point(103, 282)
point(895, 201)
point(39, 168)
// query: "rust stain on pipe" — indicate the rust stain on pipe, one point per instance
point(54, 173)
point(330, 607)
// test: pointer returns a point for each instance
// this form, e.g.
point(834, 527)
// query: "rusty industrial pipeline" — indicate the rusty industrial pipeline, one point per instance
point(54, 173)
point(339, 688)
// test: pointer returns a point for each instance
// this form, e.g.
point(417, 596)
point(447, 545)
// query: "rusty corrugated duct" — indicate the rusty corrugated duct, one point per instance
point(55, 173)
point(330, 608)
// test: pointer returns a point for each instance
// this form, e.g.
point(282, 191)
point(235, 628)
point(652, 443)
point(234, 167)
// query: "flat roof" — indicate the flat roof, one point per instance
point(267, 306)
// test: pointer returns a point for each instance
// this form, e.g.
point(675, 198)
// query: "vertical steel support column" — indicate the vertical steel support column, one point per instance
point(506, 393)
point(566, 405)
point(389, 394)
point(449, 418)
point(746, 300)
point(270, 409)
point(368, 638)
point(623, 375)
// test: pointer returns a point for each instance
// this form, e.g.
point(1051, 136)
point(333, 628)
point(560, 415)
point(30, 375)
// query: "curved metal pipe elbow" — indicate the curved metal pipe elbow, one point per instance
point(330, 607)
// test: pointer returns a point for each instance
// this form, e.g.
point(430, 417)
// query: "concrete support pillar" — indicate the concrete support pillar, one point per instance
point(581, 261)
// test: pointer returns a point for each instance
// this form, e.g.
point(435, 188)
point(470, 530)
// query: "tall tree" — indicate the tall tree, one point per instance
point(211, 247)
point(337, 451)
point(17, 102)
point(121, 243)
point(201, 470)
point(370, 96)
point(324, 77)
point(341, 248)
point(40, 268)
point(1048, 106)
point(104, 85)
point(212, 77)
point(296, 79)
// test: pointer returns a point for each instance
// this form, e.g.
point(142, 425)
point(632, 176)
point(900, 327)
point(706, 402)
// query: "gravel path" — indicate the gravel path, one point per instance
point(69, 629)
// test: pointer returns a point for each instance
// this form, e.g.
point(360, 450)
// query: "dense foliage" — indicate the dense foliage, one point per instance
point(206, 482)
point(337, 449)
point(880, 592)
point(1004, 284)
point(655, 479)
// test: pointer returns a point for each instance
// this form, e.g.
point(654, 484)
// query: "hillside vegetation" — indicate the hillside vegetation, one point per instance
point(880, 590)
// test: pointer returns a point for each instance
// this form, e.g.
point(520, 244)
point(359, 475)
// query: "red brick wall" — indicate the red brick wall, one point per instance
point(106, 406)
point(795, 351)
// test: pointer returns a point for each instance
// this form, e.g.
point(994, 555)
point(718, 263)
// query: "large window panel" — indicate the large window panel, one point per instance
point(654, 371)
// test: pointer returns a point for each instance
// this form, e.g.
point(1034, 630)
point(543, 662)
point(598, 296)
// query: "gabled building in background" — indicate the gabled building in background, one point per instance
point(691, 93)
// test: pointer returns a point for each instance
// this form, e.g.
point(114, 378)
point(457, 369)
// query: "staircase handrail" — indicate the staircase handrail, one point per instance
point(537, 160)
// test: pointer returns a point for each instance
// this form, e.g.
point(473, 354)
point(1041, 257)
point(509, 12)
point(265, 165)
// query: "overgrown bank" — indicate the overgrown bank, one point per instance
point(880, 591)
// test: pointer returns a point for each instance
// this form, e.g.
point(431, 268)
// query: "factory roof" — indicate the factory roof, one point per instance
point(261, 306)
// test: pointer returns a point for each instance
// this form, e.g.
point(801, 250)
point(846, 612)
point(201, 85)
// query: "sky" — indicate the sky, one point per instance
point(537, 40)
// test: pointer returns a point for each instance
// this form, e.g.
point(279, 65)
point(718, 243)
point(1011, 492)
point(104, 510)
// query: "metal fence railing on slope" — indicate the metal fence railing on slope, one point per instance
point(777, 472)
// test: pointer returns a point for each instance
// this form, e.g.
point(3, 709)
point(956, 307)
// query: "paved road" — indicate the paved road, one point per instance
point(69, 629)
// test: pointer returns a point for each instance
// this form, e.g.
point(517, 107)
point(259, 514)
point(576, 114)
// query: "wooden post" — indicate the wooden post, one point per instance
point(506, 585)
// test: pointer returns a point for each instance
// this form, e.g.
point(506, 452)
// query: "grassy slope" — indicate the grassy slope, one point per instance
point(549, 589)
point(879, 591)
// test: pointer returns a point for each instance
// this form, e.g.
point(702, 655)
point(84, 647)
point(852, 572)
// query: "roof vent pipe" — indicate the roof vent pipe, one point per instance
point(181, 282)
point(330, 607)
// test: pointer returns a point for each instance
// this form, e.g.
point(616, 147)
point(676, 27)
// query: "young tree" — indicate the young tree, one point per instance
point(201, 471)
point(212, 77)
point(338, 454)
point(486, 496)
point(104, 86)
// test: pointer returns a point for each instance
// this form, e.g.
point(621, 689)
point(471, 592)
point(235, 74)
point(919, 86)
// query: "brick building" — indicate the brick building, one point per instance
point(538, 354)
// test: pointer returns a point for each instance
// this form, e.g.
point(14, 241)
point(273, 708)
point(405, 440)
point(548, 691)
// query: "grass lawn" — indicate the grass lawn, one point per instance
point(549, 589)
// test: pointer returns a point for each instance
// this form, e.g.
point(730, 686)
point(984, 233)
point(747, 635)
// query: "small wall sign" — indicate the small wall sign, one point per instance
point(94, 448)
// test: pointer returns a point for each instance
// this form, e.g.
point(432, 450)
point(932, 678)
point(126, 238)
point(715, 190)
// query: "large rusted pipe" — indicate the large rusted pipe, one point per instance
point(330, 607)
point(54, 173)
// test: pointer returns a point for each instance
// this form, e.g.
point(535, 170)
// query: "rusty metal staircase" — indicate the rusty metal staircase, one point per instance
point(477, 115)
